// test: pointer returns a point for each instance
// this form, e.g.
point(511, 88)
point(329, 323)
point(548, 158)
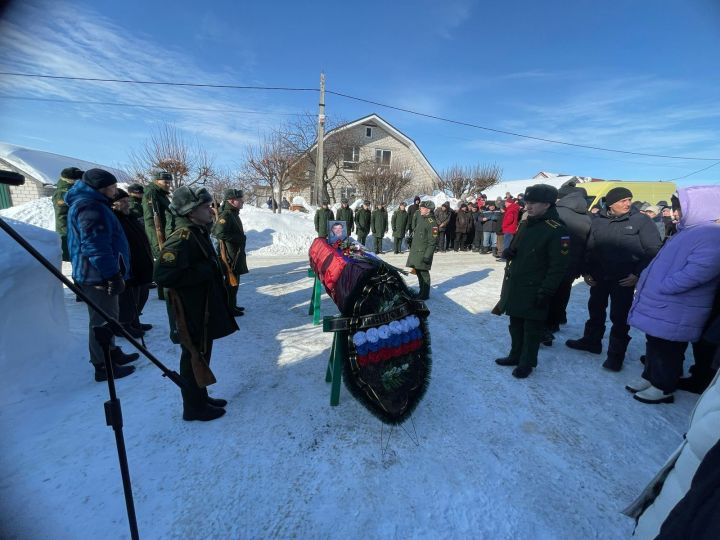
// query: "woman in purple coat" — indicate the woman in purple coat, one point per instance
point(675, 293)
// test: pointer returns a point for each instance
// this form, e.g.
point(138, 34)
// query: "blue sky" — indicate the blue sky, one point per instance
point(637, 75)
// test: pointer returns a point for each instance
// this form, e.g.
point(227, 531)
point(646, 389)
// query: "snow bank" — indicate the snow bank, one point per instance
point(519, 186)
point(38, 212)
point(33, 322)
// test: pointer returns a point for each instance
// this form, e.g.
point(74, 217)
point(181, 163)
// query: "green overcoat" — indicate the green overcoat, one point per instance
point(59, 205)
point(379, 220)
point(362, 221)
point(228, 229)
point(160, 202)
point(537, 266)
point(423, 244)
point(399, 223)
point(136, 208)
point(346, 215)
point(322, 216)
point(188, 264)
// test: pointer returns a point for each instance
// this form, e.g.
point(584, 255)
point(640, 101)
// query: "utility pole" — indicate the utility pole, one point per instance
point(320, 137)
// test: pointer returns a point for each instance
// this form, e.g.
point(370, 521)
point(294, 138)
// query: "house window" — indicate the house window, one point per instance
point(351, 158)
point(348, 193)
point(368, 132)
point(382, 157)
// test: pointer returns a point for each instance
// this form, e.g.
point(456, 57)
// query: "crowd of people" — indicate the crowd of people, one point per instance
point(609, 245)
point(123, 243)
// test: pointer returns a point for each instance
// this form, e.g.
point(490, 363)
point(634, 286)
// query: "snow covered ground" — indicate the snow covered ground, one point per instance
point(555, 456)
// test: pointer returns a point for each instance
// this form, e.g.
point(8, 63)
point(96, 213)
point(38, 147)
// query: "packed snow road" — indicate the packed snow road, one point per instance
point(557, 455)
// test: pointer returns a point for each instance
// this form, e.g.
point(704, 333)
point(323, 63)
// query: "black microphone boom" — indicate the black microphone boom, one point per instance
point(11, 178)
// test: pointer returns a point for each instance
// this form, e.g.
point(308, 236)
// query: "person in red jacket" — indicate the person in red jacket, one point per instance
point(511, 221)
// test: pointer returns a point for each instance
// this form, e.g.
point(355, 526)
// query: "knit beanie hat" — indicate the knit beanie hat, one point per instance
point(98, 178)
point(186, 199)
point(617, 194)
point(416, 199)
point(121, 194)
point(71, 173)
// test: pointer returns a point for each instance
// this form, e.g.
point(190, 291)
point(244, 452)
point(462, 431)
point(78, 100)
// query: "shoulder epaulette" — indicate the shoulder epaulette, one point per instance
point(181, 233)
point(552, 223)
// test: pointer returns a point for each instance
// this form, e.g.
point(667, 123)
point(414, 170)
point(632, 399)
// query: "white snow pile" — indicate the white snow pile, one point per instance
point(38, 212)
point(33, 322)
point(46, 166)
point(519, 186)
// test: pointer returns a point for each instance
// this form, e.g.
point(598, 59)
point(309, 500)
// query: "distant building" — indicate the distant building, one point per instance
point(374, 141)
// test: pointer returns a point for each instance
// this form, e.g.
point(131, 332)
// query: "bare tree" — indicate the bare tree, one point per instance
point(274, 162)
point(384, 184)
point(461, 181)
point(168, 149)
point(301, 137)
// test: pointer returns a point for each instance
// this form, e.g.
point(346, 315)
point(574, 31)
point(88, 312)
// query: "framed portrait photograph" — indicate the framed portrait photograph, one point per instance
point(337, 230)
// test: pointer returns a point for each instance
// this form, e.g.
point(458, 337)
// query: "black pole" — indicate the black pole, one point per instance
point(113, 418)
point(114, 325)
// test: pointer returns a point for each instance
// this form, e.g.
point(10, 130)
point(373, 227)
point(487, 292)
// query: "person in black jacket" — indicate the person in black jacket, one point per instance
point(133, 298)
point(411, 211)
point(489, 220)
point(622, 242)
point(573, 212)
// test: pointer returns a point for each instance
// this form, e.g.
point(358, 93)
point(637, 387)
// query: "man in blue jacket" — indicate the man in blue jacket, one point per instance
point(100, 259)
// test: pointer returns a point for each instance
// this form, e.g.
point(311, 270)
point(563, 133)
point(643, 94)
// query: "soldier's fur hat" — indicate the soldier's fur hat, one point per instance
point(136, 188)
point(162, 175)
point(232, 193)
point(71, 173)
point(186, 199)
point(541, 193)
point(427, 204)
point(343, 201)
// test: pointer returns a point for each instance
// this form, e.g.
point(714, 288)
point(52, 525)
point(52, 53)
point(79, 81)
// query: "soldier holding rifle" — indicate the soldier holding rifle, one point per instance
point(228, 229)
point(155, 203)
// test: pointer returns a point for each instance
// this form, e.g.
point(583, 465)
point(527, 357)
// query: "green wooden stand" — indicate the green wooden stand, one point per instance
point(333, 374)
point(314, 308)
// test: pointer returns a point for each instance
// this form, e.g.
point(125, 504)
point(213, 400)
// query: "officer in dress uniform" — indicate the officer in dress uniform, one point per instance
point(537, 262)
point(423, 247)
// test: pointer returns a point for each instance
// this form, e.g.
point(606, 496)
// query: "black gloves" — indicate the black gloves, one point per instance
point(542, 301)
point(427, 261)
point(115, 285)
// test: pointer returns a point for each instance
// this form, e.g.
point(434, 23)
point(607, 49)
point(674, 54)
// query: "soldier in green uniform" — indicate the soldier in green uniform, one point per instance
point(423, 246)
point(379, 220)
point(345, 214)
point(67, 179)
point(362, 221)
point(155, 203)
point(322, 216)
point(537, 261)
point(198, 310)
point(228, 229)
point(400, 226)
point(136, 192)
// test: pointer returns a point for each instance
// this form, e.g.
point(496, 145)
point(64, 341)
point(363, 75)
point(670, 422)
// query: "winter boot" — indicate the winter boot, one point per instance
point(203, 413)
point(522, 372)
point(216, 402)
point(506, 361)
point(638, 385)
point(120, 358)
point(694, 384)
point(547, 338)
point(617, 345)
point(118, 372)
point(145, 327)
point(654, 396)
point(237, 312)
point(494, 252)
point(134, 331)
point(590, 342)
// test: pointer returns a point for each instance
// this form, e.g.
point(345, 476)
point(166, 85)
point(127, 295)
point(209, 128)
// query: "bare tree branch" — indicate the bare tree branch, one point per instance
point(461, 181)
point(384, 184)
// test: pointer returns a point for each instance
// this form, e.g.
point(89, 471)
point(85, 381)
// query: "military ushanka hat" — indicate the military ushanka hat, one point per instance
point(162, 175)
point(232, 193)
point(541, 193)
point(427, 204)
point(72, 173)
point(186, 199)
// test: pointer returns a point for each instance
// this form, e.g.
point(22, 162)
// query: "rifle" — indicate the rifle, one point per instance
point(201, 369)
point(231, 277)
point(158, 224)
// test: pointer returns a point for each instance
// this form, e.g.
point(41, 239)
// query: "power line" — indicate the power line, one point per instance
point(144, 106)
point(362, 100)
point(159, 83)
point(695, 172)
point(477, 126)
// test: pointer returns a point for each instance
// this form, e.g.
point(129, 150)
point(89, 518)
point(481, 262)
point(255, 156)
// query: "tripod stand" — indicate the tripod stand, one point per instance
point(103, 334)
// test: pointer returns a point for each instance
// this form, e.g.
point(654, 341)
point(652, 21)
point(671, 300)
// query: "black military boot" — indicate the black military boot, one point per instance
point(120, 358)
point(118, 372)
point(506, 361)
point(145, 326)
point(134, 331)
point(237, 312)
point(203, 413)
point(617, 345)
point(522, 372)
point(547, 338)
point(590, 342)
